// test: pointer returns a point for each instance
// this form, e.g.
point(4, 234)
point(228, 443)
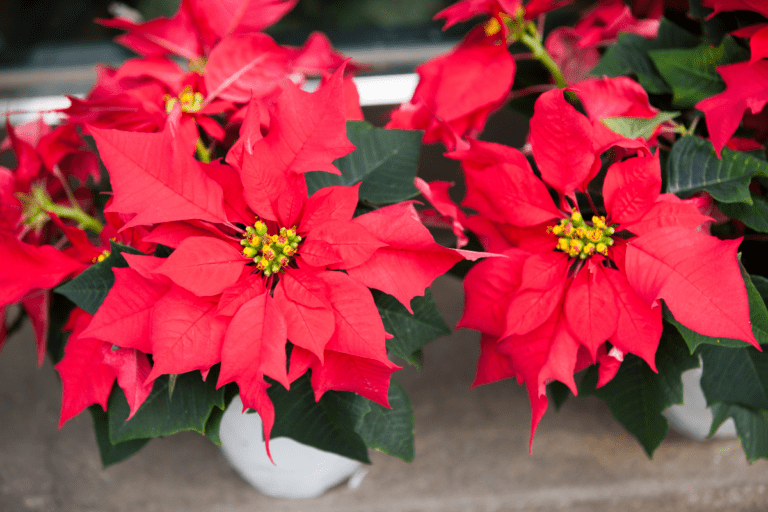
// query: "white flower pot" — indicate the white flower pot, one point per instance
point(693, 419)
point(300, 471)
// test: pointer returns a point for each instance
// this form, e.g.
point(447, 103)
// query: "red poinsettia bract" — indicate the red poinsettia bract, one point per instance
point(258, 262)
point(580, 286)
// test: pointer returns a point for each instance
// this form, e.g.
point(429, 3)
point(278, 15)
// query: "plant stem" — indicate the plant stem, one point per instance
point(203, 153)
point(543, 56)
point(75, 213)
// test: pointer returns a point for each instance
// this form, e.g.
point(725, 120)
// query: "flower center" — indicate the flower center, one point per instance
point(189, 100)
point(582, 240)
point(271, 253)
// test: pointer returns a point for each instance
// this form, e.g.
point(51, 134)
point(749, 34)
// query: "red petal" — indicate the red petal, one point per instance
point(561, 139)
point(343, 372)
point(132, 368)
point(329, 203)
point(493, 364)
point(631, 188)
point(254, 344)
point(698, 277)
point(359, 329)
point(668, 211)
point(124, 318)
point(154, 176)
point(350, 240)
point(590, 308)
point(186, 333)
point(247, 288)
point(308, 327)
point(203, 265)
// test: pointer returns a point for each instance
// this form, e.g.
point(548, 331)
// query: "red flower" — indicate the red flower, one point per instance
point(578, 288)
point(257, 262)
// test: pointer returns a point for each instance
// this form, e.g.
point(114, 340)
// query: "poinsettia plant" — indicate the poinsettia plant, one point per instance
point(245, 236)
point(633, 218)
point(248, 237)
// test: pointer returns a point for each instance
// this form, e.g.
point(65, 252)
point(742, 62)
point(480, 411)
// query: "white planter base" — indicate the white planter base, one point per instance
point(693, 419)
point(300, 471)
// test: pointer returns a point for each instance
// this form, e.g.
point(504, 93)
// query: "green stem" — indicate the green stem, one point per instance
point(70, 212)
point(203, 153)
point(543, 56)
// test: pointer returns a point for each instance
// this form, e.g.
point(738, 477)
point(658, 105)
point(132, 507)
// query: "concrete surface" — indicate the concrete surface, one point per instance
point(471, 454)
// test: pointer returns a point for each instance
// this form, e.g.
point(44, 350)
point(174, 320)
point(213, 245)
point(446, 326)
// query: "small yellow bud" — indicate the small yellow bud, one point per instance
point(576, 217)
point(562, 244)
point(249, 252)
point(602, 249)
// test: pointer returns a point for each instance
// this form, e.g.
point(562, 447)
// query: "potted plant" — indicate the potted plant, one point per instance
point(633, 218)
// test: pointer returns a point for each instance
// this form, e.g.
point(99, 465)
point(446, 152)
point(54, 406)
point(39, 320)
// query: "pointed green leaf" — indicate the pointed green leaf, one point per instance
point(637, 396)
point(160, 415)
point(754, 216)
point(693, 166)
point(758, 316)
point(111, 453)
point(735, 376)
point(751, 427)
point(629, 55)
point(327, 425)
point(691, 73)
point(390, 430)
point(385, 161)
point(634, 127)
point(411, 331)
point(89, 289)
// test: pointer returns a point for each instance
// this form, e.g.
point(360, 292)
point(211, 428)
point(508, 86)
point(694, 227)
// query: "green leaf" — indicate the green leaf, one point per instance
point(385, 161)
point(390, 430)
point(751, 427)
point(758, 316)
point(634, 127)
point(637, 396)
point(89, 289)
point(58, 312)
point(190, 409)
point(754, 216)
point(691, 73)
point(693, 166)
point(735, 375)
point(327, 425)
point(411, 331)
point(111, 453)
point(629, 55)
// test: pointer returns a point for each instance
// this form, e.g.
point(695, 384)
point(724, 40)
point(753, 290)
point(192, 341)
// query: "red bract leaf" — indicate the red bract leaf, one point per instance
point(736, 5)
point(28, 163)
point(308, 327)
point(305, 288)
point(574, 60)
point(254, 344)
point(85, 379)
point(639, 325)
point(436, 192)
point(204, 265)
point(317, 253)
point(561, 139)
point(359, 329)
point(631, 187)
point(317, 56)
point(454, 96)
point(746, 88)
point(486, 292)
point(242, 67)
point(250, 133)
point(466, 9)
point(329, 203)
point(698, 277)
point(309, 130)
point(502, 186)
point(590, 308)
point(225, 17)
point(668, 211)
point(154, 176)
point(36, 306)
point(124, 318)
point(411, 260)
point(247, 288)
point(186, 333)
point(541, 290)
point(350, 240)
point(160, 36)
point(343, 372)
point(27, 267)
point(132, 368)
point(493, 364)
point(145, 265)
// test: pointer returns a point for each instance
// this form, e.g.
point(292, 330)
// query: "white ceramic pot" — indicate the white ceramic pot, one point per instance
point(693, 419)
point(300, 471)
